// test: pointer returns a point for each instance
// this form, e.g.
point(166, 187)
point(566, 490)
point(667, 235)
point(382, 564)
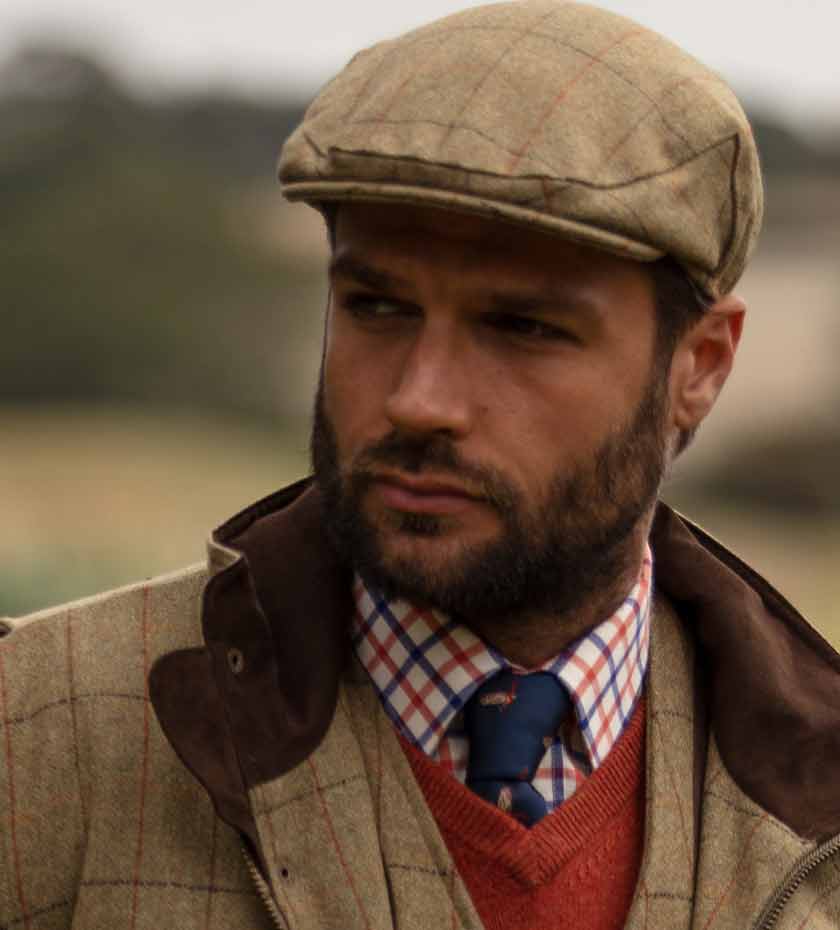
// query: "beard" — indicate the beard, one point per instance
point(550, 555)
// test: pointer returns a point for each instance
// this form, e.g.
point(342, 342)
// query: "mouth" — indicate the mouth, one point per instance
point(422, 493)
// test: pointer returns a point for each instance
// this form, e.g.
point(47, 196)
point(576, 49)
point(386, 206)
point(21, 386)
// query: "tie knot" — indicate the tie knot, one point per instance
point(510, 721)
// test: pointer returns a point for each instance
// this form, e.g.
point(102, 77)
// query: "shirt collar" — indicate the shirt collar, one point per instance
point(426, 666)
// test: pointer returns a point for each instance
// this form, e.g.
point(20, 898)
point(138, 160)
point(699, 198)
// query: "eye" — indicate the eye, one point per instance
point(369, 306)
point(528, 327)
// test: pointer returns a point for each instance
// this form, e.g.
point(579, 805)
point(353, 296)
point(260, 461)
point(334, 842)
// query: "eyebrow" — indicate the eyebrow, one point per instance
point(517, 303)
point(555, 303)
point(550, 303)
point(349, 266)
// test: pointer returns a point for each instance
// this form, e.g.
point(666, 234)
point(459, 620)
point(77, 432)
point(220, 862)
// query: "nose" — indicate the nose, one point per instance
point(432, 390)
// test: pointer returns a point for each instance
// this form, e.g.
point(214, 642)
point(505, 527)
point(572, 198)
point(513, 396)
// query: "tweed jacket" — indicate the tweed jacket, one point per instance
point(202, 751)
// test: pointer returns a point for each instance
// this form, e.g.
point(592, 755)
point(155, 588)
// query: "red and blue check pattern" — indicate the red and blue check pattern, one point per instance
point(426, 667)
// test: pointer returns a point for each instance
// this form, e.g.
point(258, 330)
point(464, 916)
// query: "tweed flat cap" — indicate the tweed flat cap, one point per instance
point(561, 116)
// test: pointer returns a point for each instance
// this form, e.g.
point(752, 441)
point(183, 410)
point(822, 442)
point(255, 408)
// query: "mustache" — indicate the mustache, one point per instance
point(417, 454)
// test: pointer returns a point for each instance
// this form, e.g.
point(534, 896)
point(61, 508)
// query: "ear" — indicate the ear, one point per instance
point(703, 360)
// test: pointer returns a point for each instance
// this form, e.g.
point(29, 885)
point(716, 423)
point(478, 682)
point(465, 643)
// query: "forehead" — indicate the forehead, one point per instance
point(437, 240)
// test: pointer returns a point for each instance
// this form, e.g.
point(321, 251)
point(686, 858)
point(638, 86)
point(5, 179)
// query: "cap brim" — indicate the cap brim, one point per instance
point(315, 192)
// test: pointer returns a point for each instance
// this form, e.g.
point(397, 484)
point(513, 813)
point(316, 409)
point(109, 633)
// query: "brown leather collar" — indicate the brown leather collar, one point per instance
point(773, 681)
point(257, 700)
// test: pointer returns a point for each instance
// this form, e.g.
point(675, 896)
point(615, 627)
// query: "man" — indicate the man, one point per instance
point(471, 674)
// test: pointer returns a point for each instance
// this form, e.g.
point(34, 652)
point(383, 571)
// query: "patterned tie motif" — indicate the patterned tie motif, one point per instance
point(511, 720)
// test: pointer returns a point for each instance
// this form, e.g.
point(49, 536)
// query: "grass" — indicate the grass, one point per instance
point(94, 499)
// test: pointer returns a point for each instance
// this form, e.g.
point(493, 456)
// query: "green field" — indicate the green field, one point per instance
point(90, 500)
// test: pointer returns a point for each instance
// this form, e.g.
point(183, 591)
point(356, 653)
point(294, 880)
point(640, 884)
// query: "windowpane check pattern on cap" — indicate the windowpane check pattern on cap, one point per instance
point(426, 666)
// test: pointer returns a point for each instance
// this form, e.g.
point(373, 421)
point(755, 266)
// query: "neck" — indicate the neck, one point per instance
point(532, 637)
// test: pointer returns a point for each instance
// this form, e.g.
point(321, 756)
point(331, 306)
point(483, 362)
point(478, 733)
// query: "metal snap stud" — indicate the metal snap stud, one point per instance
point(236, 661)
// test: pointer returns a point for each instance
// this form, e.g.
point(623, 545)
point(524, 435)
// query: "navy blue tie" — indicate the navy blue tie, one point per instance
point(511, 720)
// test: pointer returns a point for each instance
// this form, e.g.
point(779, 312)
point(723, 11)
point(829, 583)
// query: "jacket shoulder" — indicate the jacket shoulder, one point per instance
point(114, 603)
point(76, 728)
point(94, 651)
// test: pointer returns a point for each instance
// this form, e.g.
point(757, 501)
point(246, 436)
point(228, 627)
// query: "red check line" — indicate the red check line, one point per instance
point(573, 779)
point(382, 656)
point(334, 836)
point(398, 93)
point(461, 657)
point(417, 701)
point(689, 847)
point(452, 762)
point(590, 672)
point(728, 890)
point(606, 719)
point(420, 616)
point(605, 725)
point(491, 71)
point(564, 93)
point(445, 756)
point(383, 652)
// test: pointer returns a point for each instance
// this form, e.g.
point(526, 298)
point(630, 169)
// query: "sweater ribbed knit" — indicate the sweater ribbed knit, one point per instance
point(576, 868)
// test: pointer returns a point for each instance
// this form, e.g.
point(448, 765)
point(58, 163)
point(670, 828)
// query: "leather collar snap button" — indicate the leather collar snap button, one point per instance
point(236, 661)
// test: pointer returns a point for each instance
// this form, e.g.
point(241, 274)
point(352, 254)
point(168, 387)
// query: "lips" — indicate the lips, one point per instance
point(422, 493)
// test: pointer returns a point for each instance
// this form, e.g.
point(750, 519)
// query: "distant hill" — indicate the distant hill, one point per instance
point(124, 272)
point(785, 153)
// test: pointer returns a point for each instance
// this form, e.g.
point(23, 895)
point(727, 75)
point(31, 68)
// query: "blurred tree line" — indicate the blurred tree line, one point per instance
point(127, 270)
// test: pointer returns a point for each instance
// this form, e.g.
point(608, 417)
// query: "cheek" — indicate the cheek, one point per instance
point(520, 430)
point(551, 425)
point(353, 398)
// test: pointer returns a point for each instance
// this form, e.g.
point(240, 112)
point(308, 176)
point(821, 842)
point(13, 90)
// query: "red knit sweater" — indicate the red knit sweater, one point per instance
point(576, 868)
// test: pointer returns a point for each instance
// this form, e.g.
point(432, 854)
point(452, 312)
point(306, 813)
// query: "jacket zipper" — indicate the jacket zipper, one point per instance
point(264, 892)
point(800, 871)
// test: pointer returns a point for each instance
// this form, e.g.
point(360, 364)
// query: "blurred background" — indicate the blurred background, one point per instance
point(160, 306)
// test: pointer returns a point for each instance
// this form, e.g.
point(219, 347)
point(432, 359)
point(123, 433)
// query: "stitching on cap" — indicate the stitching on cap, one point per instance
point(501, 57)
point(656, 108)
point(562, 96)
point(436, 36)
point(450, 127)
point(400, 46)
point(581, 182)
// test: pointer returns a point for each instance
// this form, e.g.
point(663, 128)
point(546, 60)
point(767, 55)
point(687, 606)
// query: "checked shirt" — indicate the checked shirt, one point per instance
point(425, 667)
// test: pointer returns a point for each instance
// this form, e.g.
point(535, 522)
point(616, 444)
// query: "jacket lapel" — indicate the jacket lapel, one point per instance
point(424, 887)
point(318, 834)
point(744, 852)
point(347, 838)
point(665, 888)
point(744, 855)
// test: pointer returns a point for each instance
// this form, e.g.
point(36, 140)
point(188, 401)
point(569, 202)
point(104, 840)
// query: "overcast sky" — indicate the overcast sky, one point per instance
point(782, 53)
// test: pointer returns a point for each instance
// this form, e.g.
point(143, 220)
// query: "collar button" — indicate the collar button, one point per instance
point(236, 661)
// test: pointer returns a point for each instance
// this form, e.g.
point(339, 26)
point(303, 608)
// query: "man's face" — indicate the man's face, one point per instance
point(489, 430)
